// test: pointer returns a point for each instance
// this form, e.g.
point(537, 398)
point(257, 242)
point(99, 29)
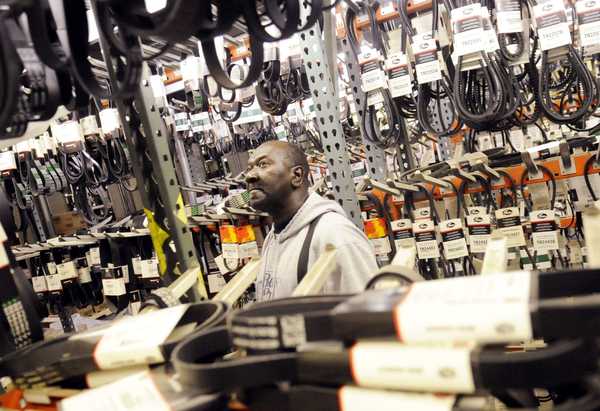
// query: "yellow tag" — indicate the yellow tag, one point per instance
point(375, 228)
point(159, 236)
point(228, 234)
point(245, 234)
point(181, 210)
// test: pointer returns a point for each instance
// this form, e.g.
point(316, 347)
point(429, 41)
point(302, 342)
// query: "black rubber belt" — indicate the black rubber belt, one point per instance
point(562, 305)
point(284, 324)
point(50, 362)
point(198, 363)
point(490, 368)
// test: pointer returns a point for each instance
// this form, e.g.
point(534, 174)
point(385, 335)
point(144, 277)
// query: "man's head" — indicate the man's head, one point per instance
point(277, 175)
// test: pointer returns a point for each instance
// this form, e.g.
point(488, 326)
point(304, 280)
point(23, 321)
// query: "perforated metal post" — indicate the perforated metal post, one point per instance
point(328, 122)
point(376, 165)
point(163, 172)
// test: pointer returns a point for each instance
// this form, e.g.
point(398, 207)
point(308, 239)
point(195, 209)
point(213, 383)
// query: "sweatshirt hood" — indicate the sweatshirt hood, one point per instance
point(313, 207)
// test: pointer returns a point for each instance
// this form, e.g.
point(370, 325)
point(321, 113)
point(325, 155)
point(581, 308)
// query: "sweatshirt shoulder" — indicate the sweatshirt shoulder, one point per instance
point(337, 229)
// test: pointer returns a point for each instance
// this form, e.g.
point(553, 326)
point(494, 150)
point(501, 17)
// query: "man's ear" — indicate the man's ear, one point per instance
point(297, 176)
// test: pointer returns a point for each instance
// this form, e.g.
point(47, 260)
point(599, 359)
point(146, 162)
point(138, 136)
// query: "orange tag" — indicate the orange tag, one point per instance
point(228, 234)
point(375, 228)
point(245, 234)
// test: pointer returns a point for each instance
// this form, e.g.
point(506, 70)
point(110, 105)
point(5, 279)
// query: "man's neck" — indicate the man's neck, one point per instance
point(282, 215)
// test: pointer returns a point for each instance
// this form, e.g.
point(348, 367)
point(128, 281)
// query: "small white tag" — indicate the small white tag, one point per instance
point(54, 282)
point(517, 139)
point(453, 237)
point(182, 122)
point(381, 245)
point(94, 256)
point(404, 367)
point(508, 221)
point(137, 340)
point(508, 16)
point(7, 161)
point(544, 230)
point(136, 392)
point(373, 80)
point(85, 275)
point(483, 309)
point(360, 399)
point(201, 122)
point(424, 232)
point(136, 263)
point(427, 64)
point(230, 250)
point(67, 270)
point(479, 226)
point(216, 282)
point(149, 268)
point(39, 284)
point(552, 26)
point(588, 16)
point(113, 286)
point(468, 29)
point(249, 249)
point(109, 120)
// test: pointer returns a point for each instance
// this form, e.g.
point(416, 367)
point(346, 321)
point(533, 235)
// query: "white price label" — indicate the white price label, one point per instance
point(109, 120)
point(133, 393)
point(397, 366)
point(39, 284)
point(85, 275)
point(231, 251)
point(544, 230)
point(94, 256)
point(182, 122)
point(485, 309)
point(137, 340)
point(136, 263)
point(113, 286)
point(508, 16)
point(7, 161)
point(400, 86)
point(479, 227)
point(373, 80)
point(382, 246)
point(67, 270)
point(588, 17)
point(552, 26)
point(201, 122)
point(517, 139)
point(54, 282)
point(149, 268)
point(360, 399)
point(508, 221)
point(216, 282)
point(453, 239)
point(249, 249)
point(427, 64)
point(427, 246)
point(468, 29)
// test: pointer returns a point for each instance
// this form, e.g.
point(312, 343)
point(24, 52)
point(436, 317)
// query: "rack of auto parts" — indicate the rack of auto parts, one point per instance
point(449, 212)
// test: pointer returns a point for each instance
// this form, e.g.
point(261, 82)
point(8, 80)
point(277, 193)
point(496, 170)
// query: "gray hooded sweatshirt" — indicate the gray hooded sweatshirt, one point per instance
point(356, 262)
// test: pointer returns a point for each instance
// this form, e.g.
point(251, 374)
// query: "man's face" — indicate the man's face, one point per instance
point(269, 178)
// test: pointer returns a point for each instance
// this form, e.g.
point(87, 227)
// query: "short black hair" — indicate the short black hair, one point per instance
point(298, 158)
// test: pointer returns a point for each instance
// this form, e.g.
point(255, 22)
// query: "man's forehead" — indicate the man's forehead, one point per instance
point(270, 150)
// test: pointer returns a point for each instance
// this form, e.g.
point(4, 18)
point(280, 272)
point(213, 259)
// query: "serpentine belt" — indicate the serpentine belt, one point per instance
point(52, 361)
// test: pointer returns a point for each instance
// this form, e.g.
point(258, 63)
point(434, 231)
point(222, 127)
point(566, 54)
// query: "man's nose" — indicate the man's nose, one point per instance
point(250, 176)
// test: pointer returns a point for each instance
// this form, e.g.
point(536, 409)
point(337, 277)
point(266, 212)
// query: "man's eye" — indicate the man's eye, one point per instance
point(263, 164)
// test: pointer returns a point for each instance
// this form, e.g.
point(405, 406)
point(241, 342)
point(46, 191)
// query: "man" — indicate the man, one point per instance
point(277, 180)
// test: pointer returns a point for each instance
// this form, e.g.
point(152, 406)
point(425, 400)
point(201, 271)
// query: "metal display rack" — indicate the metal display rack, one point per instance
point(328, 122)
point(154, 152)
